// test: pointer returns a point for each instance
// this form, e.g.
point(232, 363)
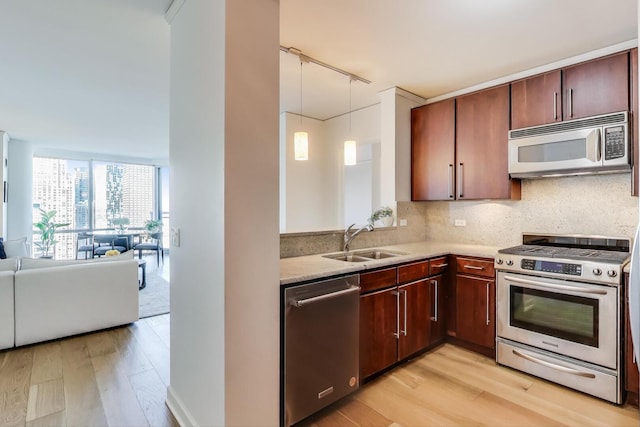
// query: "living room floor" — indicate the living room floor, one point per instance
point(115, 377)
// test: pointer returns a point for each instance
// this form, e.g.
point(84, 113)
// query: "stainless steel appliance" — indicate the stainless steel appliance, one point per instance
point(597, 144)
point(321, 345)
point(558, 310)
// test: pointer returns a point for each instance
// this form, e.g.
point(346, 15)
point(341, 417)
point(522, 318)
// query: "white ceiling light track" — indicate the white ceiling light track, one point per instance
point(306, 58)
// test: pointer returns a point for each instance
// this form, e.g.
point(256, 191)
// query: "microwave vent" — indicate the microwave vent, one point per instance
point(569, 125)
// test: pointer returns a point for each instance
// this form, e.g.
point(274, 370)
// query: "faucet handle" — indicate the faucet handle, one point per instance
point(349, 228)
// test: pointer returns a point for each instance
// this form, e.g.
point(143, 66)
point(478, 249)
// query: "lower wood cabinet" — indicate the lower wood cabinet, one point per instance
point(475, 311)
point(474, 305)
point(401, 314)
point(378, 344)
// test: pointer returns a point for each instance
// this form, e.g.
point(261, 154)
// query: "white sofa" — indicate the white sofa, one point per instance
point(54, 299)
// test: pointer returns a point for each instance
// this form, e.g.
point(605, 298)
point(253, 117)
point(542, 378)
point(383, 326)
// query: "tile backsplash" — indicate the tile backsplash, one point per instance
point(593, 205)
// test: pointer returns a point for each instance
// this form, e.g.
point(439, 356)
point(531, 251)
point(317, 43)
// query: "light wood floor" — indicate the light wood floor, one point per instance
point(119, 377)
point(116, 377)
point(454, 387)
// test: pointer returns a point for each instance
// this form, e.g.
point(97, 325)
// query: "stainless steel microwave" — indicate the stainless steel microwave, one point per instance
point(598, 144)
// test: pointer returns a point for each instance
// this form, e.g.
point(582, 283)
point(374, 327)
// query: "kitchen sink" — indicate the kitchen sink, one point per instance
point(376, 254)
point(362, 256)
point(347, 257)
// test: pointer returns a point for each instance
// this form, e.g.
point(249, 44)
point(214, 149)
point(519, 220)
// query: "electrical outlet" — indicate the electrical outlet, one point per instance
point(175, 237)
point(403, 223)
point(460, 223)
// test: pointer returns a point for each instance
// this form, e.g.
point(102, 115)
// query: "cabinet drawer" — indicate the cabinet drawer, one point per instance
point(377, 279)
point(412, 272)
point(475, 267)
point(438, 266)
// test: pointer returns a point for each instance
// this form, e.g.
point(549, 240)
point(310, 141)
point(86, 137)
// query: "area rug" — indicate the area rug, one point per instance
point(154, 298)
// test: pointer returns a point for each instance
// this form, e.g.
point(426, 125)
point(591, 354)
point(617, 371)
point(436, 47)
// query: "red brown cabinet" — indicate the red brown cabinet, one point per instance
point(400, 313)
point(591, 88)
point(474, 305)
point(482, 125)
point(459, 148)
point(536, 100)
point(433, 151)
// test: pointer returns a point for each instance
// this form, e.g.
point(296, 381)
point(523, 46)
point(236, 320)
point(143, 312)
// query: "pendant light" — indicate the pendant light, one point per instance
point(350, 145)
point(301, 138)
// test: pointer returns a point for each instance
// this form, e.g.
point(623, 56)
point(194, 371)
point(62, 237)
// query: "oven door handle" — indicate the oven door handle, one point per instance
point(553, 365)
point(556, 287)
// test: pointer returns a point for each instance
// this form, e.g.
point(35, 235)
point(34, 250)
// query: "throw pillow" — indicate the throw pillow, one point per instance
point(17, 247)
point(3, 255)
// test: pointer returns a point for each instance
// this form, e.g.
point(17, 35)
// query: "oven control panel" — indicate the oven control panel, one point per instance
point(551, 267)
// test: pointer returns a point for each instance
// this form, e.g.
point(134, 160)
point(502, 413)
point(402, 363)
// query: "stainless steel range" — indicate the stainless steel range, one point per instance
point(558, 310)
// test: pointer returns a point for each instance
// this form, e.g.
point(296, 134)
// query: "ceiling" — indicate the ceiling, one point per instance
point(93, 75)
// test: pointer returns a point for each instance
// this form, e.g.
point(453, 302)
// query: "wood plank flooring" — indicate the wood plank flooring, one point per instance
point(116, 377)
point(119, 377)
point(451, 386)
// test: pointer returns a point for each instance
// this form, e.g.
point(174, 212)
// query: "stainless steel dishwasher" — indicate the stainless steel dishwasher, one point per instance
point(321, 345)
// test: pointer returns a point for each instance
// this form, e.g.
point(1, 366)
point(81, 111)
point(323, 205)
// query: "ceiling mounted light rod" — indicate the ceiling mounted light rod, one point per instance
point(305, 58)
point(301, 138)
point(350, 146)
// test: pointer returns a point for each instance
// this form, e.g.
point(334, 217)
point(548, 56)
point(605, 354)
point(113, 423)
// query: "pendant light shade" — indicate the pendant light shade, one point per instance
point(301, 145)
point(349, 153)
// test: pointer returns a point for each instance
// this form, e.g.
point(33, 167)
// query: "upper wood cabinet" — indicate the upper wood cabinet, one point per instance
point(459, 148)
point(482, 125)
point(596, 87)
point(433, 151)
point(536, 100)
point(587, 89)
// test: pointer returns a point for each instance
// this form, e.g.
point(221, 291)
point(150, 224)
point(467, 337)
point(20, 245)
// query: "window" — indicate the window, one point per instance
point(90, 194)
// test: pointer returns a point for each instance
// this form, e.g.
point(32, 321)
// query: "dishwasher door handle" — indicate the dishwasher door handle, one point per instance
point(303, 302)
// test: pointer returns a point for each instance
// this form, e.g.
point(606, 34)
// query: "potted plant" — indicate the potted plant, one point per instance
point(384, 215)
point(47, 227)
point(153, 225)
point(120, 224)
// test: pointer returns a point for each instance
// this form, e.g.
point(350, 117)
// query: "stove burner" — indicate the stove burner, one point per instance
point(607, 257)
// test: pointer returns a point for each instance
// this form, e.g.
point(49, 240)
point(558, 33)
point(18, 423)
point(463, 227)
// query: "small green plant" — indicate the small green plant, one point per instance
point(152, 225)
point(384, 211)
point(48, 228)
point(120, 224)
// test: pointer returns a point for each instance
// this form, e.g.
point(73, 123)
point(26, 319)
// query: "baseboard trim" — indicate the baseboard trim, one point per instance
point(178, 410)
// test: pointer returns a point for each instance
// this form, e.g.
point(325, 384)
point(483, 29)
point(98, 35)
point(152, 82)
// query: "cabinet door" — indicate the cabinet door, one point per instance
point(633, 58)
point(414, 318)
point(482, 124)
point(596, 87)
point(475, 311)
point(536, 100)
point(432, 151)
point(378, 326)
point(437, 299)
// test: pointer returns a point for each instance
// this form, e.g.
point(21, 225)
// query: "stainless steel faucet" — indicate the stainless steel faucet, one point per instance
point(348, 236)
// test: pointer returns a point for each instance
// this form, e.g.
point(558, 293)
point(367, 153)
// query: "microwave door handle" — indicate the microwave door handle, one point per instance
point(593, 146)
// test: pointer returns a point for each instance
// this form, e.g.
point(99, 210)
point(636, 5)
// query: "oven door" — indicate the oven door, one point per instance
point(577, 320)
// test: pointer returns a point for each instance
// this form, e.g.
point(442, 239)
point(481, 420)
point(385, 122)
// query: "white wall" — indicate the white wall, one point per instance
point(19, 180)
point(304, 181)
point(224, 200)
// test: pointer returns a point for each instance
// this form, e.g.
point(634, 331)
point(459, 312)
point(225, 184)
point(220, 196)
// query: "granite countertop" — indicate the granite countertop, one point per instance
point(310, 267)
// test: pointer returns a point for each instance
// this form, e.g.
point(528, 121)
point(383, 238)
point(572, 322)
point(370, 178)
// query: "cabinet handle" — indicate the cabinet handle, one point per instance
point(441, 265)
point(396, 334)
point(404, 332)
point(450, 186)
point(473, 267)
point(488, 286)
point(570, 102)
point(460, 180)
point(435, 302)
point(555, 105)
